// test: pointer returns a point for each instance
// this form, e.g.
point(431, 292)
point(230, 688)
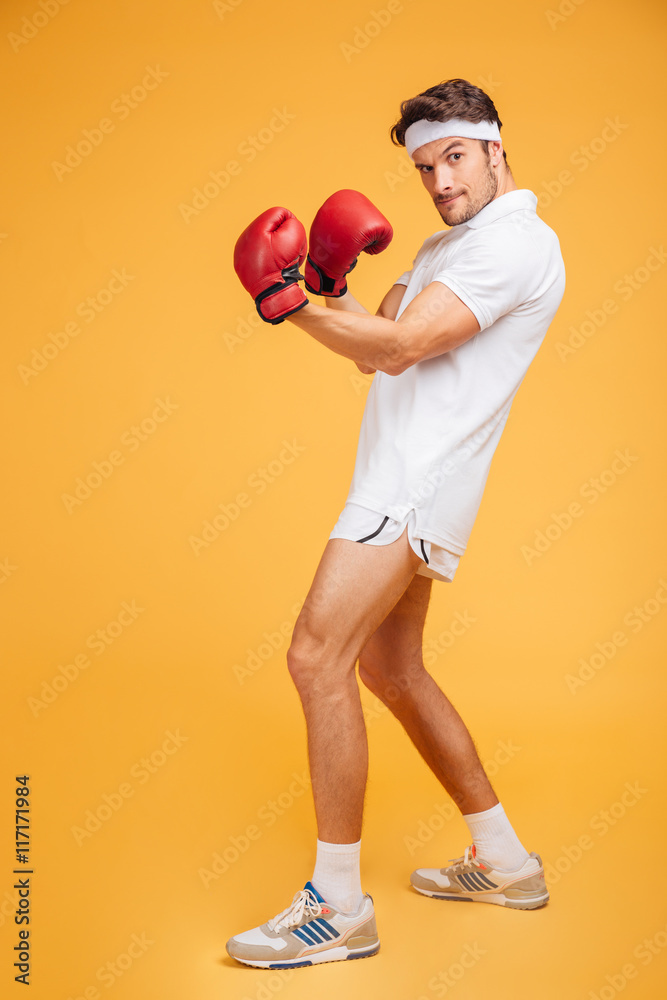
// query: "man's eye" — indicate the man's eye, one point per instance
point(454, 155)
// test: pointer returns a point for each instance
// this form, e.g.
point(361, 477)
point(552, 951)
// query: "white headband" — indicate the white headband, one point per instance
point(421, 132)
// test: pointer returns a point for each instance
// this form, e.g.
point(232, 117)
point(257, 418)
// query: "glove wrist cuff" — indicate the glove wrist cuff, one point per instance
point(320, 283)
point(282, 298)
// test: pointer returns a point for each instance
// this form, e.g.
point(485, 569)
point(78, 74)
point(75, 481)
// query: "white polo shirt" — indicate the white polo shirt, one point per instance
point(428, 435)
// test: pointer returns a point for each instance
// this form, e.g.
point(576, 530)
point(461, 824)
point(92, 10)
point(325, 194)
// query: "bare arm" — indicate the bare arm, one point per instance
point(388, 308)
point(346, 303)
point(434, 322)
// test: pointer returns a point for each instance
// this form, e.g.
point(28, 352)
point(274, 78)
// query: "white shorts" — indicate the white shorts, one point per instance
point(358, 524)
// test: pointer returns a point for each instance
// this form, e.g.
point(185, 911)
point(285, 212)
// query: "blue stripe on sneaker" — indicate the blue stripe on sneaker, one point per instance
point(291, 965)
point(366, 954)
point(487, 881)
point(312, 928)
point(461, 879)
point(317, 934)
point(476, 880)
point(316, 928)
point(325, 927)
point(467, 882)
point(306, 935)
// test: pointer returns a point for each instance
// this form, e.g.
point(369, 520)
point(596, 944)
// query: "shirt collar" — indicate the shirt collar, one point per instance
point(512, 201)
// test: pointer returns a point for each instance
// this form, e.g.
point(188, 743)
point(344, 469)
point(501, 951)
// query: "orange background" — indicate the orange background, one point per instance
point(177, 724)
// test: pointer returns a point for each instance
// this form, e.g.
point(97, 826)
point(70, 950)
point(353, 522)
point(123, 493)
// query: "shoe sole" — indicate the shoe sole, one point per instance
point(340, 954)
point(498, 898)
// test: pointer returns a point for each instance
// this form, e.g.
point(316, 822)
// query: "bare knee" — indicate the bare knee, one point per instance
point(302, 657)
point(316, 660)
point(389, 673)
point(372, 671)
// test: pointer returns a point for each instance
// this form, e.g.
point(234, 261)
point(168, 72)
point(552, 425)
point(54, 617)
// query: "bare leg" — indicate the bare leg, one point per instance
point(391, 665)
point(354, 589)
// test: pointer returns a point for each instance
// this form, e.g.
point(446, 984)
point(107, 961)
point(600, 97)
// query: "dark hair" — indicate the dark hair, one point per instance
point(449, 99)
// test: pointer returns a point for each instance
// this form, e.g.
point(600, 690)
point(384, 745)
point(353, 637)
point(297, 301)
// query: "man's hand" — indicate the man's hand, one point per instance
point(346, 224)
point(267, 256)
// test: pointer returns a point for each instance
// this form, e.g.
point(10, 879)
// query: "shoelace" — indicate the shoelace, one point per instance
point(464, 861)
point(303, 904)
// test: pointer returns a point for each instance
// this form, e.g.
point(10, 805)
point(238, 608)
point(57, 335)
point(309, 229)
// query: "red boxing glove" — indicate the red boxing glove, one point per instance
point(346, 224)
point(267, 257)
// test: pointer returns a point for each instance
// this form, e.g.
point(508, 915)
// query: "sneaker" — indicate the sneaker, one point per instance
point(309, 931)
point(471, 879)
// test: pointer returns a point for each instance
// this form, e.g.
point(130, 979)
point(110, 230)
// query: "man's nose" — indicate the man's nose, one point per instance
point(442, 180)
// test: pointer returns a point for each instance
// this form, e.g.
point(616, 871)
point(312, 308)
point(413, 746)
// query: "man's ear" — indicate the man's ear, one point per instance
point(495, 151)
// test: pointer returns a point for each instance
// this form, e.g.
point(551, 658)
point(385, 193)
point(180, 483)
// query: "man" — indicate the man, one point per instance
point(450, 344)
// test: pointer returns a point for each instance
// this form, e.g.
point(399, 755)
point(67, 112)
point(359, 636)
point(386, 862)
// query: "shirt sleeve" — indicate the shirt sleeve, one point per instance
point(404, 278)
point(494, 273)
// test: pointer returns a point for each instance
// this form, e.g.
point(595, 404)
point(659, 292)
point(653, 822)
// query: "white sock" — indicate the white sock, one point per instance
point(336, 875)
point(495, 840)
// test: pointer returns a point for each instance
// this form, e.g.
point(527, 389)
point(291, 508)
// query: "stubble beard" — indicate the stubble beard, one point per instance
point(470, 208)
